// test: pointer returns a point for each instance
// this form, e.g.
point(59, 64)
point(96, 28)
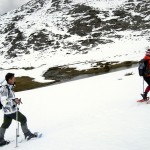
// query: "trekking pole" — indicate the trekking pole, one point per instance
point(17, 127)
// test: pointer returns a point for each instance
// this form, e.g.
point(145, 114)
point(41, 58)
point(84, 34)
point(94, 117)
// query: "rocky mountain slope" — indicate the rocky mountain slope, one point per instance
point(42, 29)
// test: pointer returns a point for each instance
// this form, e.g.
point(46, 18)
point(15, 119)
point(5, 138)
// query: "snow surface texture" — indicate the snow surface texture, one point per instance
point(53, 20)
point(99, 112)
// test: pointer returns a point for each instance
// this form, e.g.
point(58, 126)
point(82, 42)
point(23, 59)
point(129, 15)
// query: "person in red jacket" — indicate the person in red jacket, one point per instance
point(147, 76)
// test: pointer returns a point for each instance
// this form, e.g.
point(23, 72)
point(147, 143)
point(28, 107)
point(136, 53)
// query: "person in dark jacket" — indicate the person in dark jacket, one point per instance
point(10, 102)
point(147, 76)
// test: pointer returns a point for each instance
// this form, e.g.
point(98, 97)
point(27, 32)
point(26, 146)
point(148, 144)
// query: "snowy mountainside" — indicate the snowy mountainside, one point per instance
point(43, 31)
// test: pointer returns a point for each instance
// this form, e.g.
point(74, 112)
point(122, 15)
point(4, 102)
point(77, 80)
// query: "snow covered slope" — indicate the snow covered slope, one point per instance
point(67, 31)
point(99, 112)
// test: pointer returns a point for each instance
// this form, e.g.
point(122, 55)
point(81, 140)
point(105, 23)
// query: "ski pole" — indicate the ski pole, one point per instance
point(17, 127)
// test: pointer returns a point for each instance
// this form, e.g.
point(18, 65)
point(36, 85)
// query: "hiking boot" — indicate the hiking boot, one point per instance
point(144, 96)
point(29, 135)
point(3, 142)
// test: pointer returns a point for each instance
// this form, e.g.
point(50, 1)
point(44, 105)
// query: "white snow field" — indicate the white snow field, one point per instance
point(96, 113)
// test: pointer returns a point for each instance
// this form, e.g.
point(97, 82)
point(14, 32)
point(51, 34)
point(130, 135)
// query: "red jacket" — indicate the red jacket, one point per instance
point(147, 57)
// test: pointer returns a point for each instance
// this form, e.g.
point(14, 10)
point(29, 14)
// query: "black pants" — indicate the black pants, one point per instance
point(147, 80)
point(8, 119)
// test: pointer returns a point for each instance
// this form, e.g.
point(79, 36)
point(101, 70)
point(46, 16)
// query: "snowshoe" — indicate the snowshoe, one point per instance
point(141, 100)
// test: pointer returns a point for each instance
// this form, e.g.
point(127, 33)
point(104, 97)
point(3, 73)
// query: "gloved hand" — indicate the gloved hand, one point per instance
point(18, 101)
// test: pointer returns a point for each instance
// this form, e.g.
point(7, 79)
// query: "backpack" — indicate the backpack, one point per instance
point(143, 67)
point(1, 106)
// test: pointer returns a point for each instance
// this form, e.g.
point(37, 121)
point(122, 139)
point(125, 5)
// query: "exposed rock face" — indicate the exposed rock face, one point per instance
point(41, 25)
